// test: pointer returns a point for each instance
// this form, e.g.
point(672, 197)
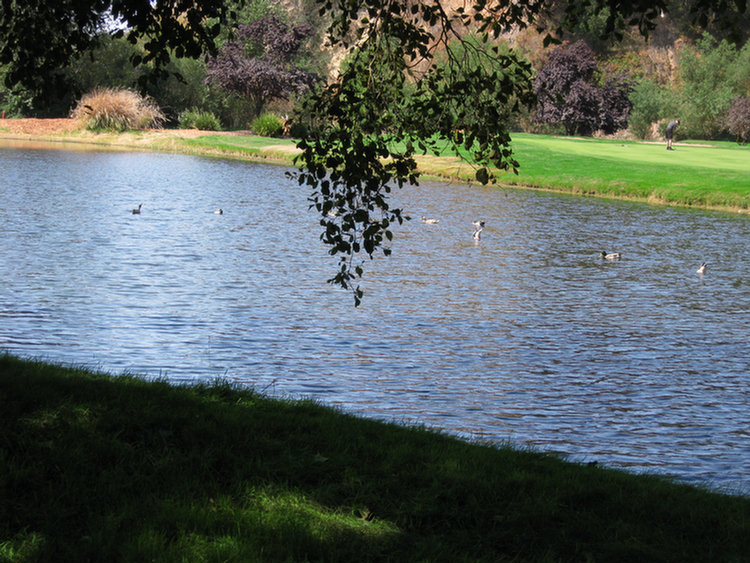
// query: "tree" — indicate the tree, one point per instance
point(366, 125)
point(258, 64)
point(710, 80)
point(569, 95)
point(738, 119)
point(38, 38)
point(650, 102)
point(390, 102)
point(107, 66)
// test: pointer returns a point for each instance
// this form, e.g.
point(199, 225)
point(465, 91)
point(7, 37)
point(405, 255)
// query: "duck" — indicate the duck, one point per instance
point(701, 269)
point(611, 255)
point(138, 210)
point(429, 221)
point(219, 212)
point(478, 228)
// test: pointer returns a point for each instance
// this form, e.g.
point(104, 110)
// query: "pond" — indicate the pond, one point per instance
point(526, 336)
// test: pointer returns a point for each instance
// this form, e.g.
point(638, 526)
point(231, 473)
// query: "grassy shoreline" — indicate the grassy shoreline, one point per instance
point(100, 468)
point(707, 176)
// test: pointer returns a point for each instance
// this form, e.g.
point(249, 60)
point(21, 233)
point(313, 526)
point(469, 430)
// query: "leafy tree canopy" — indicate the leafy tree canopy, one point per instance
point(39, 37)
point(393, 100)
point(388, 103)
point(738, 119)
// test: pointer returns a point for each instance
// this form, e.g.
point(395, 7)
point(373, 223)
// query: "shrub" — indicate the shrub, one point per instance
point(268, 125)
point(196, 119)
point(649, 106)
point(738, 119)
point(297, 130)
point(707, 92)
point(117, 110)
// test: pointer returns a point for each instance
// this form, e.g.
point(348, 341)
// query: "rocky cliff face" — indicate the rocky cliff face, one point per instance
point(656, 58)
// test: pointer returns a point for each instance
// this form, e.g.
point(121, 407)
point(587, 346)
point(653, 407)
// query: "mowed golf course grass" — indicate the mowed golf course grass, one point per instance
point(702, 175)
point(711, 175)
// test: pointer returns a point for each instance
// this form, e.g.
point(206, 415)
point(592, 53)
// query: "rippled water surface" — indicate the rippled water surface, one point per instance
point(525, 336)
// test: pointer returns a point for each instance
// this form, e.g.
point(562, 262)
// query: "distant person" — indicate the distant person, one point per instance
point(669, 133)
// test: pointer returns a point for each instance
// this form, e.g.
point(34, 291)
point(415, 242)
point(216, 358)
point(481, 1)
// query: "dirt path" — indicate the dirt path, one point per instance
point(38, 127)
point(50, 127)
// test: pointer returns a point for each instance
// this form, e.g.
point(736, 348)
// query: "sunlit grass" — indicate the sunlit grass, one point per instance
point(241, 146)
point(249, 143)
point(713, 175)
point(94, 468)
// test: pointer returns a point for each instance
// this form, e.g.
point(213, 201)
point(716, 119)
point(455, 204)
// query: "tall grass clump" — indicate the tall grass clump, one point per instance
point(268, 125)
point(196, 119)
point(112, 109)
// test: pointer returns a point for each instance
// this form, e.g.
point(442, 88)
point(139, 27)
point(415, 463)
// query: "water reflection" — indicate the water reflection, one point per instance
point(526, 336)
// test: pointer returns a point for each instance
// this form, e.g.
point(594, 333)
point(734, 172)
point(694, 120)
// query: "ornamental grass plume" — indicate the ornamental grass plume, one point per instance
point(117, 110)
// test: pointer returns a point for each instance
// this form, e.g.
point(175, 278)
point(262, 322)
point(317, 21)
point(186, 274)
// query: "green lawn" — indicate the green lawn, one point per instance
point(249, 143)
point(102, 469)
point(715, 175)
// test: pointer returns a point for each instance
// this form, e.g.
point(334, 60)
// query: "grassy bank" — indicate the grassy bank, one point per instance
point(712, 176)
point(95, 468)
point(715, 176)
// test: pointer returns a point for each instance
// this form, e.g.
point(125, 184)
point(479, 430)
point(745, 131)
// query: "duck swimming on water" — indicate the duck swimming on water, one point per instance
point(429, 221)
point(138, 210)
point(219, 212)
point(478, 228)
point(611, 255)
point(701, 269)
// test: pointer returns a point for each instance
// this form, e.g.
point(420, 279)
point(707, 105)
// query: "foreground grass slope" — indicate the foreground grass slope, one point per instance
point(95, 468)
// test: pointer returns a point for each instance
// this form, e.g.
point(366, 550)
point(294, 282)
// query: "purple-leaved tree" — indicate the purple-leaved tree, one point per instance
point(569, 95)
point(738, 119)
point(259, 63)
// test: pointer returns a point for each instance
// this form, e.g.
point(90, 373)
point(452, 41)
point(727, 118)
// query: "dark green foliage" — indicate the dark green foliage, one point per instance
point(196, 119)
point(106, 65)
point(46, 36)
point(119, 470)
point(267, 125)
point(707, 90)
point(611, 18)
point(16, 102)
point(650, 103)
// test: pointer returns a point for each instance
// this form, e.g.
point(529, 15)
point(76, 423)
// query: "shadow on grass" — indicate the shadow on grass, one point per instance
point(94, 468)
